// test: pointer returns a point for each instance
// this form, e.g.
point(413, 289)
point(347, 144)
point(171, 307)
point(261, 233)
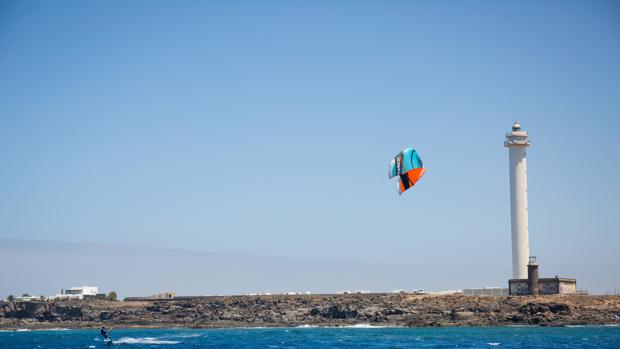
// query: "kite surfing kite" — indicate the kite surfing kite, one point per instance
point(408, 166)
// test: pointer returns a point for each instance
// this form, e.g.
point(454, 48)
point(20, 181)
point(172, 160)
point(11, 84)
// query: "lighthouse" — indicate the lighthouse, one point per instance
point(517, 141)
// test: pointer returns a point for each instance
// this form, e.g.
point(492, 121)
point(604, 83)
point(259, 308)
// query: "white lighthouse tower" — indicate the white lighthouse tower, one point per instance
point(516, 142)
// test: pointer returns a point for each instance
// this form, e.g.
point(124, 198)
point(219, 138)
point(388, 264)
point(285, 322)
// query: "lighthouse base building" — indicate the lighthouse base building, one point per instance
point(556, 285)
point(534, 286)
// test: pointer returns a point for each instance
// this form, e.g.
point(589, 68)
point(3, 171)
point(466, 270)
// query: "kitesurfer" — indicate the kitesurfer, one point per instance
point(105, 333)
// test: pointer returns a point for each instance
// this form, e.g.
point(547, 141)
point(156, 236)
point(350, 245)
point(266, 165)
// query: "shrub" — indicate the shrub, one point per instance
point(111, 296)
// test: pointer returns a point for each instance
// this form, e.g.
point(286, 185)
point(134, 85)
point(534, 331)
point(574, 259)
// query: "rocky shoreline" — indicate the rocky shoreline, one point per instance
point(316, 310)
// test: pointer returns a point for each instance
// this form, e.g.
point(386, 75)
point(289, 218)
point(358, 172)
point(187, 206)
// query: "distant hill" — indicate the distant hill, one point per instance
point(40, 267)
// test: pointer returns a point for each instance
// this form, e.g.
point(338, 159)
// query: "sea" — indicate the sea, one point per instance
point(361, 336)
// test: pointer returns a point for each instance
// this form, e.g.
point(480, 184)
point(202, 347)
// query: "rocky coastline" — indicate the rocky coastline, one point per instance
point(404, 310)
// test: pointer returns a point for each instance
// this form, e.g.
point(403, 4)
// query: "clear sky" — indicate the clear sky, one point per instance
point(266, 128)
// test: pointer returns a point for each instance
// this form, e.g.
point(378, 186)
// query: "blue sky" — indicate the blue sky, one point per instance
point(266, 127)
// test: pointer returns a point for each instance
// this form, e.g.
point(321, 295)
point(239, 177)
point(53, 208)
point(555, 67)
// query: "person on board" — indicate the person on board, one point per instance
point(105, 333)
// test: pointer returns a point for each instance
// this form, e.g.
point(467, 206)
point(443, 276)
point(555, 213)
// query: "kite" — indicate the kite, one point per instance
point(408, 166)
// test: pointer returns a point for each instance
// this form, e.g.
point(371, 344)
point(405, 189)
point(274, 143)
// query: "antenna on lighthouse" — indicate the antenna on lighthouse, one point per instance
point(516, 142)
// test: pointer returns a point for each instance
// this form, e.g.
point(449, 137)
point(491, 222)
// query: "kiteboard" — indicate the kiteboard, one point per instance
point(107, 341)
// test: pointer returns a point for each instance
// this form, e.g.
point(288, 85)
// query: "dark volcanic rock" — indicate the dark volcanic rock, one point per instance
point(559, 308)
point(336, 312)
point(327, 310)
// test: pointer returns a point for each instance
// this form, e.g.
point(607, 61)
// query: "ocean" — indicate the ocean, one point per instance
point(313, 337)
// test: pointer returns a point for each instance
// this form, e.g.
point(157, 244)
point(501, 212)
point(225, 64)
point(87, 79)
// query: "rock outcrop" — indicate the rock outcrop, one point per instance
point(321, 310)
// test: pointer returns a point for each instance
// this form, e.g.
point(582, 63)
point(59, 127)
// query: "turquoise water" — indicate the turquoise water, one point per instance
point(472, 337)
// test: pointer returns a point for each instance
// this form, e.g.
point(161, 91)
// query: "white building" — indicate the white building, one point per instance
point(445, 292)
point(29, 298)
point(486, 291)
point(78, 292)
point(296, 293)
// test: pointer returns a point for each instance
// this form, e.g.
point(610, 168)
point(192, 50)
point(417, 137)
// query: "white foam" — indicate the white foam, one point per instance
point(22, 330)
point(91, 346)
point(346, 326)
point(185, 335)
point(145, 340)
point(493, 344)
point(364, 326)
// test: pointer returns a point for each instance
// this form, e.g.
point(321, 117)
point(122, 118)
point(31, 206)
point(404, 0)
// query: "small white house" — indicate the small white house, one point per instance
point(79, 292)
point(29, 298)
